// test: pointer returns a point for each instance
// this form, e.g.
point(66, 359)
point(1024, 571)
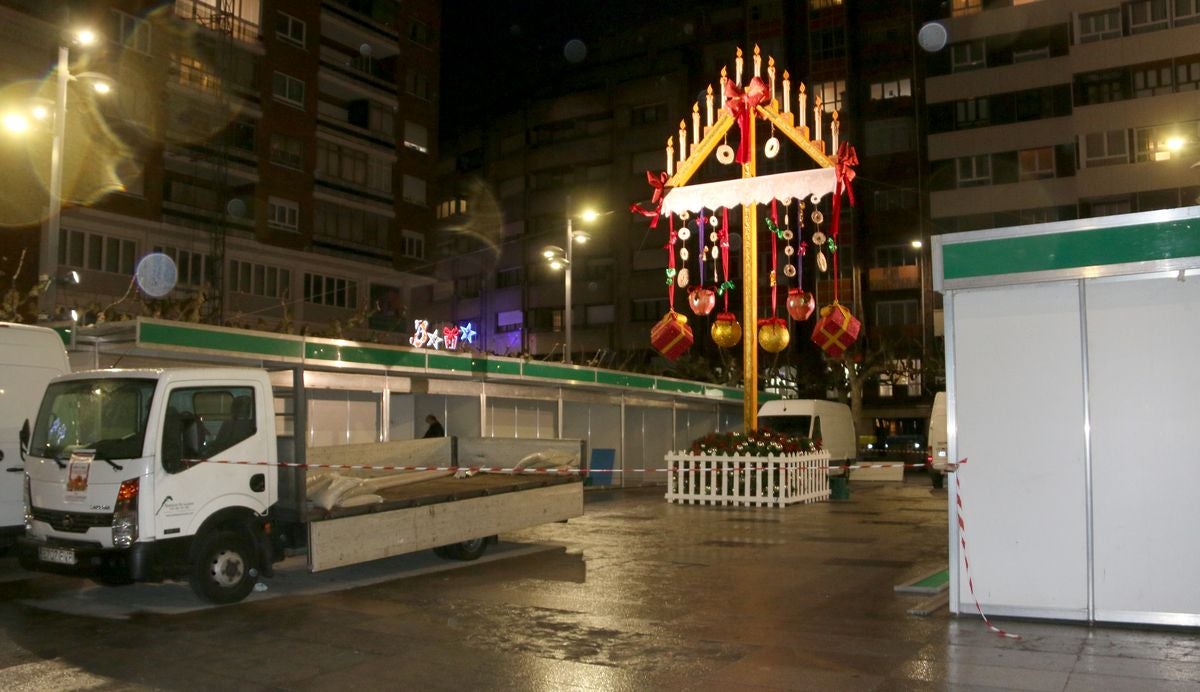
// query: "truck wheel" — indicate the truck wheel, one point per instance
point(224, 571)
point(468, 550)
point(938, 479)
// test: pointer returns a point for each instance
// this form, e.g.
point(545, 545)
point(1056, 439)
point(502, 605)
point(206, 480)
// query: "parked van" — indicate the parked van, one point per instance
point(938, 441)
point(826, 422)
point(29, 357)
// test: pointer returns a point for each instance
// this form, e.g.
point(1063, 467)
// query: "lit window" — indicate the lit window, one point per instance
point(965, 7)
point(1036, 163)
point(832, 94)
point(891, 89)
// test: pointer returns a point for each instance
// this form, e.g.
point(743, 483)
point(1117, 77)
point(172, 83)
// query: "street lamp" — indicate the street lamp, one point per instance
point(918, 245)
point(558, 258)
point(48, 264)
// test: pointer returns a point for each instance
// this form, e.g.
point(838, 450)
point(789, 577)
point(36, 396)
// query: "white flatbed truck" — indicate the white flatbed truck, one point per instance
point(171, 473)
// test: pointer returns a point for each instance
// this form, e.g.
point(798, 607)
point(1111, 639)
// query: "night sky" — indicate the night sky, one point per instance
point(501, 49)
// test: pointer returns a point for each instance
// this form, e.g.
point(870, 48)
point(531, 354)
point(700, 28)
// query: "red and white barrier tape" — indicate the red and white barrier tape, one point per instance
point(503, 469)
point(962, 538)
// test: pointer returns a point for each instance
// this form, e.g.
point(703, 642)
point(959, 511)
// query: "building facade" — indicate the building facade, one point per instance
point(281, 154)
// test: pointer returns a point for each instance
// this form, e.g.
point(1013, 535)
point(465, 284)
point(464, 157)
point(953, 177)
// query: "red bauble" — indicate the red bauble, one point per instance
point(702, 300)
point(800, 305)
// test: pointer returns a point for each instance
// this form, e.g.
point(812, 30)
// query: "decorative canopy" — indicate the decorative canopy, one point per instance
point(758, 190)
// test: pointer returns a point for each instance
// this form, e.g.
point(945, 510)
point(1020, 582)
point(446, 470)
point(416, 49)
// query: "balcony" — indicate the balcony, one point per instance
point(217, 19)
point(907, 277)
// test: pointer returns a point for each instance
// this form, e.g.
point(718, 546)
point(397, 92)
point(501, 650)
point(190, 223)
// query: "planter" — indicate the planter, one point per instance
point(772, 481)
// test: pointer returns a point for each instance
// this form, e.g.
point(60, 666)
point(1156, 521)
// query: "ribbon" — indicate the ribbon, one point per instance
point(741, 103)
point(847, 159)
point(724, 238)
point(658, 183)
point(773, 224)
point(670, 263)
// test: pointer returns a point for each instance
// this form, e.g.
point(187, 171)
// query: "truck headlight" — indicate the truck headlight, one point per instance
point(125, 519)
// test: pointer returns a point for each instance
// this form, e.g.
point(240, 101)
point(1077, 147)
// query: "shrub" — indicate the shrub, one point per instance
point(757, 443)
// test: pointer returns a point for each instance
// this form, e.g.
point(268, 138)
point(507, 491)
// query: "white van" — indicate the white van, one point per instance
point(29, 357)
point(938, 441)
point(827, 422)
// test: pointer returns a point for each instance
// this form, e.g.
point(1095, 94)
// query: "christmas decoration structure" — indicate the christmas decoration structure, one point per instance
point(744, 107)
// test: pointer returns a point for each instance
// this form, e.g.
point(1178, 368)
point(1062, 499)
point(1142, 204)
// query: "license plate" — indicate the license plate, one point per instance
point(60, 556)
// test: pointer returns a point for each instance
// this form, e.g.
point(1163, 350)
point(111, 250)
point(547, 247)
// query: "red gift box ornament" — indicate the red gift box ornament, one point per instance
point(671, 336)
point(702, 300)
point(800, 304)
point(836, 330)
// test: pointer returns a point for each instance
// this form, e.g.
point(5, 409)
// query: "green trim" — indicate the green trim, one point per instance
point(1147, 242)
point(230, 341)
point(363, 355)
point(679, 386)
point(624, 379)
point(445, 361)
point(558, 372)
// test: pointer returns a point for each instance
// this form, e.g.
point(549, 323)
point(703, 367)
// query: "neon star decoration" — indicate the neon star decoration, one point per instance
point(451, 336)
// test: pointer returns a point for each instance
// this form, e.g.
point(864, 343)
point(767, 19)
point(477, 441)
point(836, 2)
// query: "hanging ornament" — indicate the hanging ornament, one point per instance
point(671, 336)
point(702, 300)
point(725, 154)
point(771, 149)
point(800, 304)
point(726, 331)
point(684, 254)
point(819, 242)
point(836, 330)
point(684, 233)
point(682, 277)
point(773, 334)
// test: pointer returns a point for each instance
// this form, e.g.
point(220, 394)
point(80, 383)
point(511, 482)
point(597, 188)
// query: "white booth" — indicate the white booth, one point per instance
point(1073, 388)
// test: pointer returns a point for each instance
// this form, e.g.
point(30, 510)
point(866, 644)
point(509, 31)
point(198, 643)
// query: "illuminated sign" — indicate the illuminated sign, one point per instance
point(450, 337)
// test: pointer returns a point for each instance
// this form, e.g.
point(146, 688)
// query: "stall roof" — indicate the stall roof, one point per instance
point(170, 340)
point(1155, 241)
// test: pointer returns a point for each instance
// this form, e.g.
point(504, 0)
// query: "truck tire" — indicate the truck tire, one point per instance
point(938, 479)
point(468, 550)
point(224, 570)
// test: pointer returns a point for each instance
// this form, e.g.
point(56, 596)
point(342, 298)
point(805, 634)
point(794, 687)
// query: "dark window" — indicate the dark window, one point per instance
point(828, 44)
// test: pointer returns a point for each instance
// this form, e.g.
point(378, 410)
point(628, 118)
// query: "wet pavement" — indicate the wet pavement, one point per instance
point(637, 594)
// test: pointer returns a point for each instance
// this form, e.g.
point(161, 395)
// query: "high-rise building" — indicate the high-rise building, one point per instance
point(1043, 111)
point(281, 154)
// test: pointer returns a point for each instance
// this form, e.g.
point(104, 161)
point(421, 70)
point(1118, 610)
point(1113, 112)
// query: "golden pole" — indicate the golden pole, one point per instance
point(750, 291)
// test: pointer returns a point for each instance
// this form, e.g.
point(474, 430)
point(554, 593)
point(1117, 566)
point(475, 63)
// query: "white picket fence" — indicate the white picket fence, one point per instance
point(746, 480)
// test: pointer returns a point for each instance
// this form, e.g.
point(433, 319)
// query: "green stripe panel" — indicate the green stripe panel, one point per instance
point(558, 372)
point(679, 386)
point(1072, 250)
point(228, 341)
point(64, 333)
point(622, 379)
point(446, 361)
point(364, 355)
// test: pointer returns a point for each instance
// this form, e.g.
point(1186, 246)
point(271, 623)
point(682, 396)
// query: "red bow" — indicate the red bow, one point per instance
point(846, 160)
point(741, 103)
point(658, 183)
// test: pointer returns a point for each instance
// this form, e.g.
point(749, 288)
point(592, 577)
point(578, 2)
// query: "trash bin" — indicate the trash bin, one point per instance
point(839, 487)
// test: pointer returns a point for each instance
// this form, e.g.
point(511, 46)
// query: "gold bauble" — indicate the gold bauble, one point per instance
point(773, 334)
point(726, 331)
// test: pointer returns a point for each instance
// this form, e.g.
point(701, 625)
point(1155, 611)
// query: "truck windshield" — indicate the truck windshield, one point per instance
point(106, 415)
point(792, 425)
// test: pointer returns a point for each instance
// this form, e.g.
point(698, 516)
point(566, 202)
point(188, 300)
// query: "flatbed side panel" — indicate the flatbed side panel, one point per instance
point(351, 540)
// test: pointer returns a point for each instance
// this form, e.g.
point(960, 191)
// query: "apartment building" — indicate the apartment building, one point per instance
point(282, 154)
point(1042, 111)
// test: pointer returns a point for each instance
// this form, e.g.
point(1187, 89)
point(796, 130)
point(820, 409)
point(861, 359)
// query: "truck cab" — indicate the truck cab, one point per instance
point(144, 475)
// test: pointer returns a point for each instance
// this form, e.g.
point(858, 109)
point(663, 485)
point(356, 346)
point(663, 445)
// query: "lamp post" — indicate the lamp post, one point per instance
point(919, 245)
point(560, 258)
point(48, 264)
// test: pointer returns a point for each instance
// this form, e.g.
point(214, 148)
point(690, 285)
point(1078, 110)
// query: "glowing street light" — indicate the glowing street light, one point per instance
point(560, 259)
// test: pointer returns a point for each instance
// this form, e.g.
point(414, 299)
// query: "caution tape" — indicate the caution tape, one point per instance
point(505, 469)
point(962, 538)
